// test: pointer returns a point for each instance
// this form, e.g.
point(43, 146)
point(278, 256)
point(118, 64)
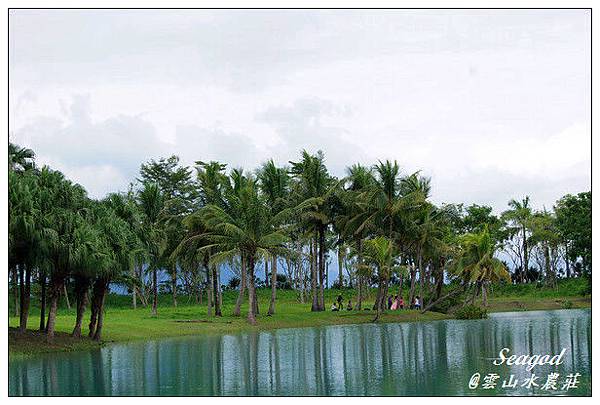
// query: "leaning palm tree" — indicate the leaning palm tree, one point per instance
point(476, 262)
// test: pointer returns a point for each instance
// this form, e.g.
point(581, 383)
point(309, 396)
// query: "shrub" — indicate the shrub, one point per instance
point(567, 304)
point(471, 312)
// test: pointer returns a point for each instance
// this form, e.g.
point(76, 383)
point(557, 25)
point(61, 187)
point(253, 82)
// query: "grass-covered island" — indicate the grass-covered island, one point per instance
point(278, 231)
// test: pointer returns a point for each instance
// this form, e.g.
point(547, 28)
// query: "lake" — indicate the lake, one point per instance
point(425, 358)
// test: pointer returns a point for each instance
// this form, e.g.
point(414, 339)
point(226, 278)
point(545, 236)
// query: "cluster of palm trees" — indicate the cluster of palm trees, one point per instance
point(57, 233)
point(290, 219)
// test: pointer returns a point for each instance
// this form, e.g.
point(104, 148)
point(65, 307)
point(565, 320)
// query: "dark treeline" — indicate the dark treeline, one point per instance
point(273, 225)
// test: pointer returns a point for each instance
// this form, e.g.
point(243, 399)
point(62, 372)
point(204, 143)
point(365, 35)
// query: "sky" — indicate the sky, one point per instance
point(491, 104)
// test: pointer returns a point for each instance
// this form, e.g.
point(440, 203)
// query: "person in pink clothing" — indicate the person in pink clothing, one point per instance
point(395, 304)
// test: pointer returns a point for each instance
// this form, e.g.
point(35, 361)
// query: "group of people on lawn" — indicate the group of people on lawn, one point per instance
point(393, 303)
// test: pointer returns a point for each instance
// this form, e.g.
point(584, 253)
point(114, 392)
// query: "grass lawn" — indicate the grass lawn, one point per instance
point(122, 323)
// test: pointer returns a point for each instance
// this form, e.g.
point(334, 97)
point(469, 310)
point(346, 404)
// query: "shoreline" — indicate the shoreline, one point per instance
point(33, 343)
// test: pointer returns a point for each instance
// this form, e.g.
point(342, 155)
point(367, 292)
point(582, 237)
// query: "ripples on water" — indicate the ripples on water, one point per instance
point(427, 358)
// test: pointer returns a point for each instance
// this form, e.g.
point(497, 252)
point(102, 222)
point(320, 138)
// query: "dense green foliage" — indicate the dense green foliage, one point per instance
point(188, 223)
point(471, 312)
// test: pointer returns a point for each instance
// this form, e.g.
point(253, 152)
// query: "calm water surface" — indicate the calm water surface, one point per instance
point(427, 358)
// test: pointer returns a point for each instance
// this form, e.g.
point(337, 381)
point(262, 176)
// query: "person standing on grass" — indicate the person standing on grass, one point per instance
point(401, 303)
point(417, 302)
point(389, 302)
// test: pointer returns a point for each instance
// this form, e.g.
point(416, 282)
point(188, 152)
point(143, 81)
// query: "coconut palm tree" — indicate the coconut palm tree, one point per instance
point(387, 204)
point(518, 219)
point(274, 184)
point(381, 254)
point(151, 203)
point(314, 188)
point(244, 227)
point(20, 159)
point(476, 263)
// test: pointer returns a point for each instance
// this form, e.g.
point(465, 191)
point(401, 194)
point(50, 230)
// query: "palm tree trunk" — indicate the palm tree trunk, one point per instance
point(266, 272)
point(251, 289)
point(95, 307)
point(321, 267)
point(359, 277)
point(550, 276)
point(273, 285)
point(380, 302)
point(25, 298)
point(400, 285)
point(174, 284)
point(133, 290)
point(15, 290)
point(525, 256)
point(102, 292)
point(56, 286)
point(42, 301)
point(209, 290)
point(421, 278)
point(66, 296)
point(240, 298)
point(313, 275)
point(81, 297)
point(484, 294)
point(450, 294)
point(340, 267)
point(154, 291)
point(411, 293)
point(217, 290)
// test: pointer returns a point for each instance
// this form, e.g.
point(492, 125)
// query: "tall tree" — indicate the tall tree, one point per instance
point(314, 187)
point(274, 184)
point(518, 223)
point(151, 202)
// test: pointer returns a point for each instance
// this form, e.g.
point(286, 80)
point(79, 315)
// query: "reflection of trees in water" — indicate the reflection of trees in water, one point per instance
point(393, 359)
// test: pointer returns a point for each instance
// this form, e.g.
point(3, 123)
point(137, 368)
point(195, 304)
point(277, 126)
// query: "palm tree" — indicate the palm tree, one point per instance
point(313, 188)
point(151, 204)
point(118, 250)
point(20, 159)
point(386, 205)
point(245, 227)
point(519, 218)
point(89, 258)
point(24, 237)
point(476, 262)
point(60, 207)
point(353, 219)
point(274, 184)
point(380, 253)
point(213, 183)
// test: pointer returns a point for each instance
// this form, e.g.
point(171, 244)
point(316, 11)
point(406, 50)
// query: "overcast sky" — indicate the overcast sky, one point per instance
point(491, 104)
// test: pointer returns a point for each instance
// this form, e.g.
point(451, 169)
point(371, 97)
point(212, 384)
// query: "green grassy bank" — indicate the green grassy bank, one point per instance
point(122, 323)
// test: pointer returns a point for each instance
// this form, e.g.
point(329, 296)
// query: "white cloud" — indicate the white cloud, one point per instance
point(491, 103)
